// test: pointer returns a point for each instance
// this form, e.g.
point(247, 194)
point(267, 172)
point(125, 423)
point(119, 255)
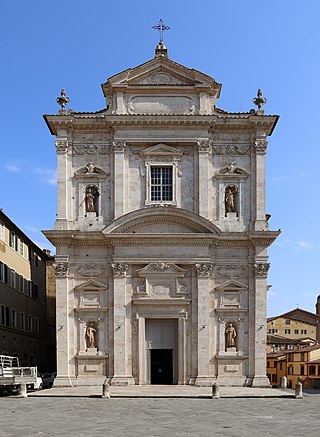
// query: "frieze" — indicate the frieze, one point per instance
point(231, 149)
point(204, 269)
point(91, 149)
point(61, 268)
point(119, 269)
point(61, 146)
point(261, 270)
point(230, 271)
point(90, 270)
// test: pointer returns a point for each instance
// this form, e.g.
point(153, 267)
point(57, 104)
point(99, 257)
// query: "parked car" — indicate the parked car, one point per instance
point(38, 385)
point(47, 379)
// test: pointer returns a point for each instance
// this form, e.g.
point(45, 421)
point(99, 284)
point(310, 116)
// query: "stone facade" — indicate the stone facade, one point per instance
point(161, 234)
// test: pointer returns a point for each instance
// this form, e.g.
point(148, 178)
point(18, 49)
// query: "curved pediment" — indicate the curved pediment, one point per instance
point(161, 220)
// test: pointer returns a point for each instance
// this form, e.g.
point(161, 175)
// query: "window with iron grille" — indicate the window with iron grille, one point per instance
point(161, 184)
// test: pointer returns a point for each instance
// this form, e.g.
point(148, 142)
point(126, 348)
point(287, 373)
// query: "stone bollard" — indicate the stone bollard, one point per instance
point(283, 382)
point(298, 391)
point(215, 391)
point(23, 390)
point(105, 390)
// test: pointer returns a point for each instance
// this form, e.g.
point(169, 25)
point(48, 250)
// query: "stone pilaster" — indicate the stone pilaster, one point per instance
point(122, 344)
point(203, 275)
point(63, 378)
point(203, 151)
point(260, 146)
point(260, 379)
point(62, 148)
point(119, 179)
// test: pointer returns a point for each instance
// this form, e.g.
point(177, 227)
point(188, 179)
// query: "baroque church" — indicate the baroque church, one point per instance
point(161, 233)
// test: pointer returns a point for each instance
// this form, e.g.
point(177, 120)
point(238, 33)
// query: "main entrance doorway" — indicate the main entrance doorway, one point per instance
point(161, 336)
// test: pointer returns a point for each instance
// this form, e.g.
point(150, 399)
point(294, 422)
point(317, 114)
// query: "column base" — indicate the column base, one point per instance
point(122, 380)
point(204, 381)
point(62, 381)
point(260, 381)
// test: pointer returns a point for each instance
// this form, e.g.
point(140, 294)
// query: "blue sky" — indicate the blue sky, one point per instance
point(243, 44)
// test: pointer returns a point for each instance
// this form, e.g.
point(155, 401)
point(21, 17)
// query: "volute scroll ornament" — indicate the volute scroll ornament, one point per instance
point(204, 145)
point(119, 146)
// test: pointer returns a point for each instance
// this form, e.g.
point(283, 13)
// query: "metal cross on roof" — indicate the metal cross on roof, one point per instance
point(161, 27)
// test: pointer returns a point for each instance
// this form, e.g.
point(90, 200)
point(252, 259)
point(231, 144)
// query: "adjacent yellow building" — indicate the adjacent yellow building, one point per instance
point(23, 298)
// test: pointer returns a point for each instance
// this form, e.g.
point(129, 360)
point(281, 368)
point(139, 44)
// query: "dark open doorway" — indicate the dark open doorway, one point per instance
point(161, 366)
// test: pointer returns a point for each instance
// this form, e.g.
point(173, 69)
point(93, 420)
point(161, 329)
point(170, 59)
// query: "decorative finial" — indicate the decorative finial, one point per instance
point(161, 49)
point(63, 100)
point(161, 27)
point(259, 101)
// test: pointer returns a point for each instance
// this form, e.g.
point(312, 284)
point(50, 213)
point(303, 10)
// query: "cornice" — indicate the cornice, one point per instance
point(107, 122)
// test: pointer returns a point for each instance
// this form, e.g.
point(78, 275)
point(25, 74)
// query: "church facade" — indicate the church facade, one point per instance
point(161, 234)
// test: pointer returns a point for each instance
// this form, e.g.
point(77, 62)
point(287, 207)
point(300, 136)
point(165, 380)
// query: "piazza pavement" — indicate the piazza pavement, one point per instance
point(161, 411)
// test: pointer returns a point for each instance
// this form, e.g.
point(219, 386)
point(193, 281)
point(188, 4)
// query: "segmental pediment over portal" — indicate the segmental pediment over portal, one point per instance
point(161, 220)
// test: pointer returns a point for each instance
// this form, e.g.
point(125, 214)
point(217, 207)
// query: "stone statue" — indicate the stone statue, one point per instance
point(90, 201)
point(231, 334)
point(90, 168)
point(91, 332)
point(229, 201)
point(91, 196)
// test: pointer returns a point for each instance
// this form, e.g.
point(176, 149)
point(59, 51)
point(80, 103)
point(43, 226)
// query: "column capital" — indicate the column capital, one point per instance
point(119, 146)
point(204, 145)
point(61, 145)
point(261, 146)
point(261, 270)
point(204, 269)
point(119, 269)
point(61, 268)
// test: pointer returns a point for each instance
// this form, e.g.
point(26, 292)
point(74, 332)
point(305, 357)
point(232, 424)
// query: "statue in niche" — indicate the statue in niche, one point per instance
point(230, 199)
point(91, 334)
point(231, 334)
point(92, 194)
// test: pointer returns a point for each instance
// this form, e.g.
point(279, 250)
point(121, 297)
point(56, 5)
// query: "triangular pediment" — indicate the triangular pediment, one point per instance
point(161, 72)
point(91, 285)
point(232, 285)
point(161, 150)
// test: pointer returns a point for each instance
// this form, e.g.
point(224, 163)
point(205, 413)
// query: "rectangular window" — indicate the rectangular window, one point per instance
point(21, 248)
point(13, 279)
point(296, 331)
point(287, 331)
point(35, 291)
point(21, 283)
point(37, 325)
point(30, 325)
point(2, 231)
point(30, 288)
point(12, 238)
point(36, 260)
point(161, 184)
point(2, 272)
point(303, 331)
point(5, 315)
point(302, 369)
point(13, 318)
point(288, 322)
point(16, 243)
point(290, 357)
point(280, 366)
point(303, 357)
point(290, 370)
point(22, 321)
point(312, 370)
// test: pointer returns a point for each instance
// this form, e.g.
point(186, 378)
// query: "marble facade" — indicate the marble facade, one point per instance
point(161, 234)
